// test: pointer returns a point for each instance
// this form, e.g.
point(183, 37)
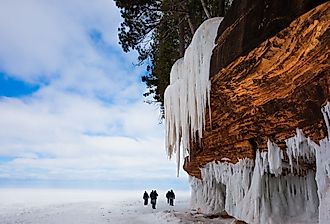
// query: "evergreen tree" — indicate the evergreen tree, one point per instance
point(160, 31)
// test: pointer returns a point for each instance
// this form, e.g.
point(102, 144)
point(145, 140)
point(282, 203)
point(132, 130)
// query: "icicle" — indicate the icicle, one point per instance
point(300, 147)
point(187, 95)
point(323, 170)
point(326, 115)
point(246, 191)
point(274, 158)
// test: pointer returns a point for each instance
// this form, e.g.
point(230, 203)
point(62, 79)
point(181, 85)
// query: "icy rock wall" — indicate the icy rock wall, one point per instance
point(323, 170)
point(235, 180)
point(187, 95)
point(256, 192)
point(207, 198)
point(252, 195)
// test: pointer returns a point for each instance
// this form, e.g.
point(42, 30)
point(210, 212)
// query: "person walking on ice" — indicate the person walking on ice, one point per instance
point(168, 197)
point(145, 198)
point(153, 197)
point(171, 197)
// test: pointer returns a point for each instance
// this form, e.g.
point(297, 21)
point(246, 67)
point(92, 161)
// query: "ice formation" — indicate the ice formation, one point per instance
point(323, 170)
point(274, 159)
point(301, 148)
point(248, 192)
point(258, 192)
point(254, 191)
point(189, 91)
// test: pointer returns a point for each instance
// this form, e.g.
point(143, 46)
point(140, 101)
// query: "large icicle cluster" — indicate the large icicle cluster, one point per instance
point(301, 148)
point(248, 192)
point(188, 93)
point(256, 192)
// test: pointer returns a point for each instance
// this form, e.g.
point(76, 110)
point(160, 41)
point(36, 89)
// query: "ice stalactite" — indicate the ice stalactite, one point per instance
point(258, 192)
point(323, 170)
point(252, 194)
point(275, 157)
point(187, 95)
point(300, 148)
point(326, 116)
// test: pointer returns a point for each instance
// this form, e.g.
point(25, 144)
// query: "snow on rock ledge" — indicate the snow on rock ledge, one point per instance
point(188, 93)
point(257, 192)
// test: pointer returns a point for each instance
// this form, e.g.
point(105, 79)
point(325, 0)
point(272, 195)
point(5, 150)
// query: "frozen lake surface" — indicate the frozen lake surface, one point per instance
point(62, 206)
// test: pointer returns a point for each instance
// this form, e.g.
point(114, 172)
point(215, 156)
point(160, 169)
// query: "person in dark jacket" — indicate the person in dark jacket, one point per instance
point(171, 197)
point(145, 197)
point(153, 197)
point(168, 197)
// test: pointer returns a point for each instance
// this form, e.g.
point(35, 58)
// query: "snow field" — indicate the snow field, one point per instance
point(55, 206)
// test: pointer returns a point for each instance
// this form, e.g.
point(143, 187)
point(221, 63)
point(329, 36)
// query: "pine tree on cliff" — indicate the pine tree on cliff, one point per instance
point(160, 31)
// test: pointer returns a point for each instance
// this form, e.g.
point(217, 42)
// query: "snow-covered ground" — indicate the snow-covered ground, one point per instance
point(62, 206)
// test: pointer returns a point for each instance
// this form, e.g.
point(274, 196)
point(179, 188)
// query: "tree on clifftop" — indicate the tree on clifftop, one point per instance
point(160, 31)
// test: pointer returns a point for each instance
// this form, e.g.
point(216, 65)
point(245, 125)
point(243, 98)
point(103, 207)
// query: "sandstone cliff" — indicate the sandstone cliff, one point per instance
point(261, 149)
point(278, 86)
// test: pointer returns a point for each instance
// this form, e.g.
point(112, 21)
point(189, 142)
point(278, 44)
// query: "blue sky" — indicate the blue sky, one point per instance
point(71, 105)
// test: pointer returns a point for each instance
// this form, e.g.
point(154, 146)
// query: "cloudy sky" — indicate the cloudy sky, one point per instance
point(71, 106)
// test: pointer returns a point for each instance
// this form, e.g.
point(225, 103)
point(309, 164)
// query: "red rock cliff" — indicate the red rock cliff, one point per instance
point(267, 93)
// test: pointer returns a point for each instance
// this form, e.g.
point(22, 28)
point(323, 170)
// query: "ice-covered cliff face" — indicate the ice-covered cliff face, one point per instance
point(257, 192)
point(187, 95)
point(267, 93)
point(257, 101)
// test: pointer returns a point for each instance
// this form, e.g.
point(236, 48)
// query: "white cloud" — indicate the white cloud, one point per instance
point(68, 132)
point(39, 37)
point(89, 120)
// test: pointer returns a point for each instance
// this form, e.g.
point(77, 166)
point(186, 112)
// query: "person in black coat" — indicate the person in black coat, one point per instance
point(153, 197)
point(145, 197)
point(168, 197)
point(171, 197)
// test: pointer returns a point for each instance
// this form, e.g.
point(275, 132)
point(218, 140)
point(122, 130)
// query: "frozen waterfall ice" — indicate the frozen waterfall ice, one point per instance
point(189, 91)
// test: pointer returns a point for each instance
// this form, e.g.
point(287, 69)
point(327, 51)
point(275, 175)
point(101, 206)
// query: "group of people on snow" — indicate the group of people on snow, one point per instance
point(153, 198)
